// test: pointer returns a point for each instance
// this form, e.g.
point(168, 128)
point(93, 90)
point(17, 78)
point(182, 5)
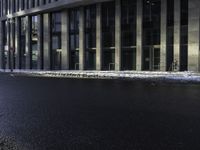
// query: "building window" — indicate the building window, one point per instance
point(22, 4)
point(74, 38)
point(5, 44)
point(56, 52)
point(10, 6)
point(34, 42)
point(32, 3)
point(22, 54)
point(151, 34)
point(128, 34)
point(6, 7)
point(90, 37)
point(184, 36)
point(170, 34)
point(14, 6)
point(108, 35)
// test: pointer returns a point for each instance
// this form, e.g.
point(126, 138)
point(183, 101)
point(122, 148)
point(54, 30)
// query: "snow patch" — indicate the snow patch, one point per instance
point(157, 75)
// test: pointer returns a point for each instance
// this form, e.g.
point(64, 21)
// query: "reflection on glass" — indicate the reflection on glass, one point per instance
point(5, 43)
point(151, 34)
point(56, 52)
point(170, 34)
point(74, 38)
point(108, 35)
point(34, 42)
point(90, 37)
point(23, 24)
point(128, 32)
point(184, 36)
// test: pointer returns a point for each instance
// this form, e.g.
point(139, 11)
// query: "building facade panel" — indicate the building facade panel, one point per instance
point(139, 35)
point(98, 38)
point(193, 36)
point(153, 35)
point(46, 41)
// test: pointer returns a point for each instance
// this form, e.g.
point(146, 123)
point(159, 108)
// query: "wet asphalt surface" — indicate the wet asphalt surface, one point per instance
point(72, 114)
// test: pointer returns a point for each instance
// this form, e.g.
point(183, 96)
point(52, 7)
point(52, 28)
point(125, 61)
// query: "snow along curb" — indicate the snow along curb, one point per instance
point(147, 75)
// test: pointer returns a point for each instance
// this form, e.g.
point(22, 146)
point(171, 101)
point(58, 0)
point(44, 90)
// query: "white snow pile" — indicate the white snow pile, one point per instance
point(177, 76)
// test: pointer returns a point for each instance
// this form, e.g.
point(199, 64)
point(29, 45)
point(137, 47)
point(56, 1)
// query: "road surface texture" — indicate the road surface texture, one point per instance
point(72, 114)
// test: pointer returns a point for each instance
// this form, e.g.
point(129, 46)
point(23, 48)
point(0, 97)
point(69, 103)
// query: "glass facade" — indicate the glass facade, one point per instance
point(128, 34)
point(22, 53)
point(74, 39)
point(13, 48)
point(90, 37)
point(184, 36)
point(170, 34)
point(34, 42)
point(108, 35)
point(43, 48)
point(56, 51)
point(151, 34)
point(5, 52)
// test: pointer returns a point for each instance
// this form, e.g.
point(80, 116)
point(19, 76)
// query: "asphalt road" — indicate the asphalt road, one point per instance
point(72, 114)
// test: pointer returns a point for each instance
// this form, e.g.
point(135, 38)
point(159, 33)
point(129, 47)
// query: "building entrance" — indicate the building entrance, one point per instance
point(151, 58)
point(56, 64)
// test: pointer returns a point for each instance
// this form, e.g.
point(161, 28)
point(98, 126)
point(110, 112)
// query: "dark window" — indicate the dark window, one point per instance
point(74, 38)
point(108, 35)
point(90, 37)
point(184, 36)
point(34, 42)
point(23, 30)
point(170, 34)
point(151, 22)
point(151, 34)
point(5, 44)
point(56, 52)
point(128, 34)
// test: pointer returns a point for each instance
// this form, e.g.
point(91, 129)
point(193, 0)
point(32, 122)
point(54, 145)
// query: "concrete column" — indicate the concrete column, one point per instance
point(193, 36)
point(81, 40)
point(20, 5)
point(8, 7)
point(16, 5)
point(28, 42)
point(17, 43)
point(1, 45)
point(30, 3)
point(26, 4)
point(118, 35)
point(40, 2)
point(139, 36)
point(163, 44)
point(4, 8)
point(46, 41)
point(177, 32)
point(36, 3)
point(98, 37)
point(65, 40)
point(40, 42)
point(12, 46)
point(11, 7)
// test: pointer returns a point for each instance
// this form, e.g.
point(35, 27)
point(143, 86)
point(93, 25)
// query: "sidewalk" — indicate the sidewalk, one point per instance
point(172, 76)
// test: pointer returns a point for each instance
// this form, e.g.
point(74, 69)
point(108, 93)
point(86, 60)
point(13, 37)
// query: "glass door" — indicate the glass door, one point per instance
point(156, 59)
point(151, 60)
